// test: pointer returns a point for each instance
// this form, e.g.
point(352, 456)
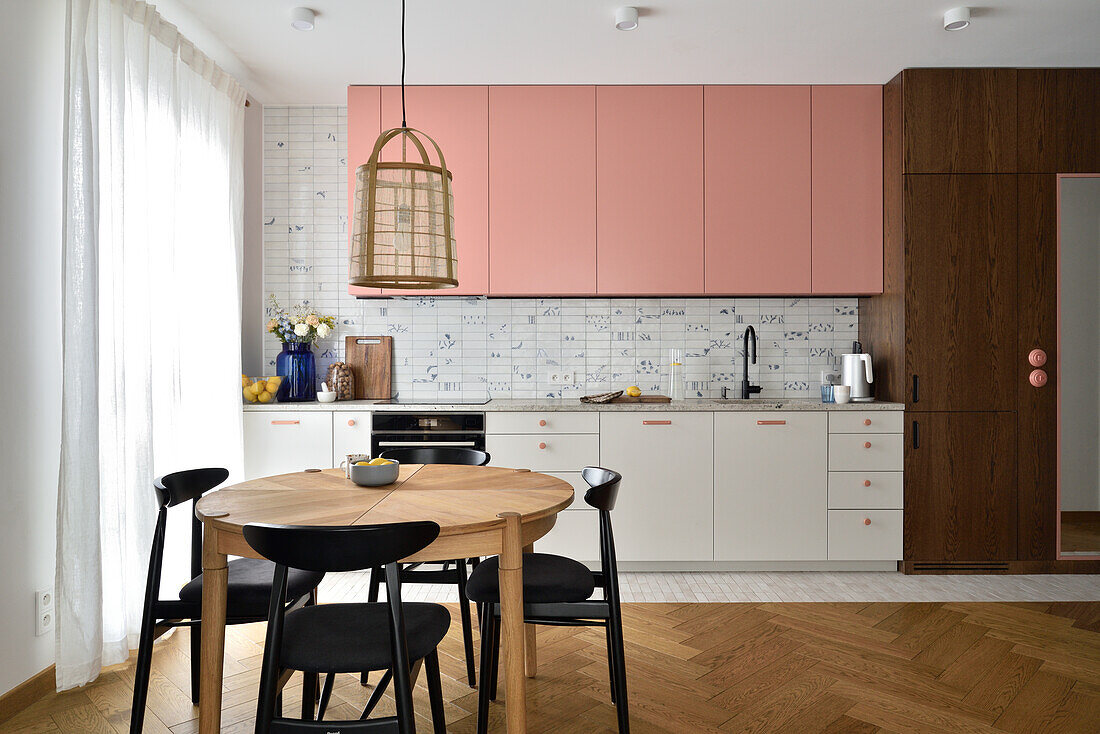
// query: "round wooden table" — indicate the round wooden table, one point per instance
point(481, 511)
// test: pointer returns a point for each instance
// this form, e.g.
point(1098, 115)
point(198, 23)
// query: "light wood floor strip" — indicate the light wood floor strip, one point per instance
point(799, 668)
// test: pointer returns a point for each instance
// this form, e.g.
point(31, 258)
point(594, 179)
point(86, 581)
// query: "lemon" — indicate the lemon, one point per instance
point(257, 387)
point(249, 395)
point(633, 391)
point(265, 397)
point(274, 382)
point(245, 381)
point(362, 463)
point(379, 462)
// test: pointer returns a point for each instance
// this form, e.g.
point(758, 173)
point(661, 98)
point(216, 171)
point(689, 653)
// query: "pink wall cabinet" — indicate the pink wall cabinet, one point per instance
point(457, 118)
point(542, 190)
point(649, 190)
point(847, 189)
point(757, 143)
point(364, 126)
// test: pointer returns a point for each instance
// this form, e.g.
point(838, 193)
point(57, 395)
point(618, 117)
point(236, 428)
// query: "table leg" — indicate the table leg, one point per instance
point(215, 573)
point(531, 652)
point(511, 615)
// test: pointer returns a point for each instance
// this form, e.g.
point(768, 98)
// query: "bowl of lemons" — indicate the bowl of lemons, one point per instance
point(374, 473)
point(260, 389)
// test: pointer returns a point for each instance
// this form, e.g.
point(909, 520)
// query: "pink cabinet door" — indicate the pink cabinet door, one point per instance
point(757, 142)
point(847, 189)
point(542, 190)
point(649, 190)
point(364, 125)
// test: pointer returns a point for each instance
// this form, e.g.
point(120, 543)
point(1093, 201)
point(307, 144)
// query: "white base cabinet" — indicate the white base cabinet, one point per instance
point(665, 507)
point(284, 442)
point(771, 474)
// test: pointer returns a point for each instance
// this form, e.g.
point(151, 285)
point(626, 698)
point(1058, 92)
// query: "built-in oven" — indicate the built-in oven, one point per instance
point(394, 429)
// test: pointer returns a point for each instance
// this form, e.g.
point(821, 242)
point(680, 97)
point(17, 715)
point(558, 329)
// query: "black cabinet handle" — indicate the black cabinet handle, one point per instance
point(916, 435)
point(916, 389)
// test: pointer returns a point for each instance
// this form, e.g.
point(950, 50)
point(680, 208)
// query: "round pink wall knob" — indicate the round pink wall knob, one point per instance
point(1037, 378)
point(1037, 358)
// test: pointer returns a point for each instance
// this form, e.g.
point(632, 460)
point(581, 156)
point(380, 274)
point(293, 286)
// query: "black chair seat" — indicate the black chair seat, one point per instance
point(352, 638)
point(250, 586)
point(546, 579)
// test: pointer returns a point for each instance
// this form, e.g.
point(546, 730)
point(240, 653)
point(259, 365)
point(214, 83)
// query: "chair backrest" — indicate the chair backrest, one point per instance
point(437, 455)
point(604, 485)
point(326, 548)
point(177, 487)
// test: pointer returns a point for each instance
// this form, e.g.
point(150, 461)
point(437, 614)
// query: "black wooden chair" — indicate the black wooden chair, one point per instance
point(348, 638)
point(248, 595)
point(557, 591)
point(452, 572)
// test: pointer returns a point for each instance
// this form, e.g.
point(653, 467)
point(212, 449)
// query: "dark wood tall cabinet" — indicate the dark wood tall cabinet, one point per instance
point(970, 288)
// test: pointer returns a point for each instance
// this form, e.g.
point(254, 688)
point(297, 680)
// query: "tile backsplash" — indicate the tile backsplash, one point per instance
point(453, 347)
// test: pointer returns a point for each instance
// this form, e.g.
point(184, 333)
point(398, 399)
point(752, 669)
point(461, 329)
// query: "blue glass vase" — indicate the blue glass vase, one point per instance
point(295, 364)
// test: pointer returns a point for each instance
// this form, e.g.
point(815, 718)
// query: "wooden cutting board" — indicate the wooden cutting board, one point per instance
point(371, 361)
point(642, 399)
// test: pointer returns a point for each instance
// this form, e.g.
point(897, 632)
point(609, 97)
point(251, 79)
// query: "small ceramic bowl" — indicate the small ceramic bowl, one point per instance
point(326, 397)
point(375, 476)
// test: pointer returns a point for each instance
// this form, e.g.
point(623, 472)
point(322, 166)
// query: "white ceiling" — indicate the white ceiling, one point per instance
point(677, 41)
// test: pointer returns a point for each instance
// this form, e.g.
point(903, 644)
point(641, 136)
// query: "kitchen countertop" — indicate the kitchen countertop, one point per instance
point(572, 404)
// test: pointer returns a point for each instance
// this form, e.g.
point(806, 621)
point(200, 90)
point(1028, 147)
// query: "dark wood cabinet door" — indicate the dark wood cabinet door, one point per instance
point(959, 120)
point(960, 292)
point(960, 486)
point(1037, 407)
point(1059, 120)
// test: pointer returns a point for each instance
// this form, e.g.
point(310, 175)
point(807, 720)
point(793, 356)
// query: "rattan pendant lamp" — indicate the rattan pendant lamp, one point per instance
point(402, 230)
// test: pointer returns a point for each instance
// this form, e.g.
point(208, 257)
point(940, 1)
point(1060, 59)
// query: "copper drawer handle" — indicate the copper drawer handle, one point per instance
point(867, 445)
point(656, 423)
point(866, 521)
point(542, 445)
point(866, 421)
point(866, 482)
point(351, 422)
point(285, 423)
point(771, 423)
point(542, 423)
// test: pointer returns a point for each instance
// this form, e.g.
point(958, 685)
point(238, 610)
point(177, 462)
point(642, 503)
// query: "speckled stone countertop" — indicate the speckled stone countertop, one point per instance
point(572, 404)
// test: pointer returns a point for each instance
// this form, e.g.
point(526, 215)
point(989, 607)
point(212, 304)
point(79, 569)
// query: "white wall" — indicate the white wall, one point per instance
point(1079, 353)
point(32, 52)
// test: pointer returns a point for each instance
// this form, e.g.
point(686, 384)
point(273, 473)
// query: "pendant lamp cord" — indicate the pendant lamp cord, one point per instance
point(404, 123)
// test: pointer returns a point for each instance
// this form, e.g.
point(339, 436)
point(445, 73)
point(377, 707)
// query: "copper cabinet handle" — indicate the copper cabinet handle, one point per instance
point(1037, 358)
point(867, 421)
point(867, 444)
point(285, 423)
point(1037, 378)
point(771, 423)
point(656, 423)
point(542, 422)
point(866, 521)
point(351, 421)
point(866, 482)
point(542, 445)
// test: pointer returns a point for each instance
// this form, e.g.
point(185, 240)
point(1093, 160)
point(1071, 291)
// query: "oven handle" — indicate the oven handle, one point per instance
point(417, 444)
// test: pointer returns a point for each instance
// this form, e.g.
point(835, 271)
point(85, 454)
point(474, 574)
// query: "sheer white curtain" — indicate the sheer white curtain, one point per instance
point(152, 258)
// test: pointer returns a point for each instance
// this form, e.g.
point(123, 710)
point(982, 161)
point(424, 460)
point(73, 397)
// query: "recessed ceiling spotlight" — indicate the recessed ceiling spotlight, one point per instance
point(956, 19)
point(301, 19)
point(626, 18)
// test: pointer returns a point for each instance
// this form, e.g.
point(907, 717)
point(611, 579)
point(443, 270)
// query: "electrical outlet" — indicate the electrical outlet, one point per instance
point(830, 378)
point(555, 377)
point(43, 611)
point(567, 378)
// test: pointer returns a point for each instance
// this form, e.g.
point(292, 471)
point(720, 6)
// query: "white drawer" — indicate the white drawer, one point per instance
point(286, 441)
point(866, 421)
point(550, 453)
point(576, 534)
point(550, 421)
point(350, 434)
point(866, 490)
point(872, 452)
point(853, 538)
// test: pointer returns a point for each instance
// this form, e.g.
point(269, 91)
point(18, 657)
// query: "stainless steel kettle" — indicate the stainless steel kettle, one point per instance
point(856, 373)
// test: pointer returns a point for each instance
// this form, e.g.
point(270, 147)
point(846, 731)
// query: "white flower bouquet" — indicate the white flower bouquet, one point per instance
point(301, 324)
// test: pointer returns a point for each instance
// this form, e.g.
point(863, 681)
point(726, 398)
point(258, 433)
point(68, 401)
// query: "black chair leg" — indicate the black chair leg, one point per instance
point(467, 631)
point(196, 660)
point(610, 664)
point(486, 666)
point(618, 665)
point(376, 695)
point(141, 675)
point(309, 695)
point(435, 693)
point(326, 694)
point(494, 666)
point(372, 596)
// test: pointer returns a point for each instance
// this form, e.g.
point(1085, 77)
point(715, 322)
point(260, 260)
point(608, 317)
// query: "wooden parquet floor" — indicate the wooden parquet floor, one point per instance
point(821, 667)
